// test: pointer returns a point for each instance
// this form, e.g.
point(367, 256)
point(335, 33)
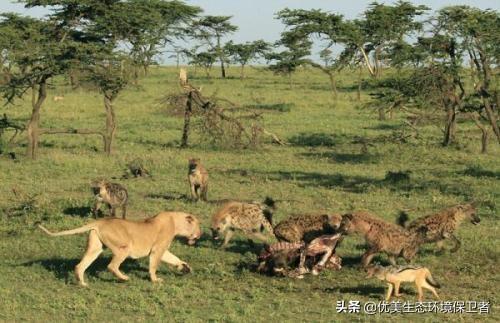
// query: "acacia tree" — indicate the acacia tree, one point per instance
point(476, 33)
point(203, 59)
point(246, 52)
point(149, 25)
point(83, 32)
point(438, 75)
point(287, 61)
point(38, 52)
point(211, 30)
point(384, 26)
point(370, 37)
point(306, 23)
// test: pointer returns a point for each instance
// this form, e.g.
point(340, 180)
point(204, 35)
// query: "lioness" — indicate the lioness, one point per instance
point(151, 237)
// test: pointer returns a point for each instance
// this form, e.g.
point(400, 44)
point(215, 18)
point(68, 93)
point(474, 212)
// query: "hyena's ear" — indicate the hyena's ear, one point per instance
point(347, 216)
point(423, 230)
point(189, 219)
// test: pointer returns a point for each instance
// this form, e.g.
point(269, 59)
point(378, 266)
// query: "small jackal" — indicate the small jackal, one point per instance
point(395, 275)
point(198, 179)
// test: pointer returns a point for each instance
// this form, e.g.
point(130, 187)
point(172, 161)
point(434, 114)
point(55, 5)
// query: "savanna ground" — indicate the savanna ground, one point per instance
point(321, 169)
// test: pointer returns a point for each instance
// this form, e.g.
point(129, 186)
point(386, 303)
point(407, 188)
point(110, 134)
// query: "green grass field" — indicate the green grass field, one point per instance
point(321, 169)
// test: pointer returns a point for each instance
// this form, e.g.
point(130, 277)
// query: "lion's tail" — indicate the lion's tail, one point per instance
point(431, 281)
point(83, 229)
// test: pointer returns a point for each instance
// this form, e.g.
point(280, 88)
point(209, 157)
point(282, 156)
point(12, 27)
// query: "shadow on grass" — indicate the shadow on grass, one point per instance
point(243, 246)
point(64, 268)
point(367, 290)
point(186, 198)
point(344, 158)
point(397, 181)
point(479, 172)
point(81, 211)
point(386, 126)
point(317, 140)
point(170, 197)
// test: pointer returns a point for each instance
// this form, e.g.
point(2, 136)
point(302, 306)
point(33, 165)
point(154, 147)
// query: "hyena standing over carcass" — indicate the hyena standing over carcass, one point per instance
point(198, 179)
point(113, 195)
point(304, 228)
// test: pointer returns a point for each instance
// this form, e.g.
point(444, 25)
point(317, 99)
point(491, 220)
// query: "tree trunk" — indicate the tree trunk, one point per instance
point(110, 122)
point(136, 75)
point(187, 120)
point(484, 132)
point(492, 117)
point(122, 68)
point(371, 70)
point(34, 122)
point(381, 114)
point(222, 68)
point(242, 72)
point(221, 57)
point(484, 91)
point(74, 79)
point(333, 85)
point(378, 71)
point(450, 126)
point(360, 83)
point(146, 69)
